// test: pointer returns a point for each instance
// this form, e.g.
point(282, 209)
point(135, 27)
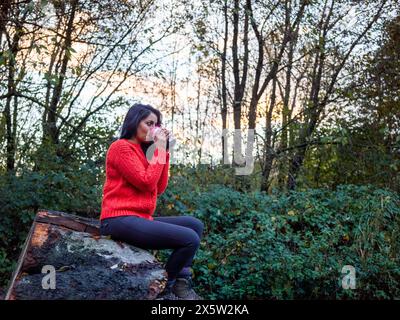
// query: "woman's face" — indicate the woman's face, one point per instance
point(144, 127)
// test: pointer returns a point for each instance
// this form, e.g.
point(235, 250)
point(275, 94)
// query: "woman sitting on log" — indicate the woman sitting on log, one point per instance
point(137, 171)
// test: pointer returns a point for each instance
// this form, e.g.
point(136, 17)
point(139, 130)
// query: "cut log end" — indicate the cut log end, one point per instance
point(64, 257)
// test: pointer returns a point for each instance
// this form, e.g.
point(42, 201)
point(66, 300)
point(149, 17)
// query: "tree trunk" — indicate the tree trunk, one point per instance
point(86, 265)
point(52, 132)
point(240, 80)
point(11, 128)
point(268, 147)
point(224, 109)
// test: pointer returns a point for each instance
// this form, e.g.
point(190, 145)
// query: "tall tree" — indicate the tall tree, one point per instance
point(324, 76)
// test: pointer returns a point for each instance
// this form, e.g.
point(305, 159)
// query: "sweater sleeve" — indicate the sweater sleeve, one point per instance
point(128, 163)
point(163, 182)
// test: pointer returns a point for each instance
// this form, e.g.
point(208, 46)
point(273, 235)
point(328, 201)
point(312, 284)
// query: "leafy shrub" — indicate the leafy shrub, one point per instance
point(293, 246)
point(255, 246)
point(74, 190)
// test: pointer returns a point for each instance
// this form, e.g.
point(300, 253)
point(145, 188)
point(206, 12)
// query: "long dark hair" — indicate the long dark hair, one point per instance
point(135, 114)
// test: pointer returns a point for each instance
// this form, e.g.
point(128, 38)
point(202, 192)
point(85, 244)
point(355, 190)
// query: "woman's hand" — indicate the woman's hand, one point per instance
point(161, 138)
point(166, 132)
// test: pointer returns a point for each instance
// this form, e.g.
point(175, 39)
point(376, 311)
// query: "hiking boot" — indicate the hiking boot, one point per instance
point(183, 289)
point(167, 293)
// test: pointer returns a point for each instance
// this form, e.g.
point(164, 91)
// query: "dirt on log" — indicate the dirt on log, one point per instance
point(64, 257)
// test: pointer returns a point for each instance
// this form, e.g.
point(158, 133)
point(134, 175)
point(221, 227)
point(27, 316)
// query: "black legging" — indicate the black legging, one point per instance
point(182, 233)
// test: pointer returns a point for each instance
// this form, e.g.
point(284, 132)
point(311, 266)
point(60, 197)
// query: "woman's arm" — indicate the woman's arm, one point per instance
point(163, 182)
point(127, 162)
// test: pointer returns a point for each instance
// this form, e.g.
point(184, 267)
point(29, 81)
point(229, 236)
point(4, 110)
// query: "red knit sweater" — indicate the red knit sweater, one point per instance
point(132, 182)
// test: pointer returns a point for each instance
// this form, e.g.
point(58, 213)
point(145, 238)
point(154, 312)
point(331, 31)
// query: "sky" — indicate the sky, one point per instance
point(148, 89)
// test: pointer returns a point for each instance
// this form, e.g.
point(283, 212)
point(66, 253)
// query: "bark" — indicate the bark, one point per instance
point(239, 79)
point(87, 265)
point(11, 125)
point(51, 131)
point(224, 110)
point(268, 148)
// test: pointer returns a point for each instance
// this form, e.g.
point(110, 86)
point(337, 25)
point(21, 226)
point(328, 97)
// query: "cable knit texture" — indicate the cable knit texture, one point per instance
point(132, 182)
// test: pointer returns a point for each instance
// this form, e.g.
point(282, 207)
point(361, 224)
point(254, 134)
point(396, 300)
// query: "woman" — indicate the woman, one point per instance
point(134, 179)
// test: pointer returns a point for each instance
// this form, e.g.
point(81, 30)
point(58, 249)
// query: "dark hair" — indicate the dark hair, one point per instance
point(135, 114)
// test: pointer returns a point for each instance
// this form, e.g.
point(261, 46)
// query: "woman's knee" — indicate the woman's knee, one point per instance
point(192, 239)
point(197, 225)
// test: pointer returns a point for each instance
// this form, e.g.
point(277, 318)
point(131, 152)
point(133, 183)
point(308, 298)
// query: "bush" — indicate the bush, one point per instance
point(255, 246)
point(293, 246)
point(74, 190)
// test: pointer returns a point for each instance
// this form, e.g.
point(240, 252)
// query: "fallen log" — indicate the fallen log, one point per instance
point(64, 257)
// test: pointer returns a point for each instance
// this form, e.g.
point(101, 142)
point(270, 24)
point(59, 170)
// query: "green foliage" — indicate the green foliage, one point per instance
point(74, 189)
point(369, 150)
point(293, 246)
point(255, 246)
